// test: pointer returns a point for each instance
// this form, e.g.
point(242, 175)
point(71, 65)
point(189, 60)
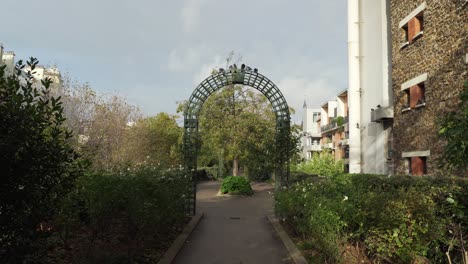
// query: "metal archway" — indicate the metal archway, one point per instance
point(245, 76)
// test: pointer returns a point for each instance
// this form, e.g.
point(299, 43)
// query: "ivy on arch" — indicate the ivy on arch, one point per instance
point(248, 77)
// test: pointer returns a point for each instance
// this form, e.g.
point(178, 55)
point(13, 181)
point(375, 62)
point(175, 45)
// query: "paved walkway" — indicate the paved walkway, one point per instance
point(234, 230)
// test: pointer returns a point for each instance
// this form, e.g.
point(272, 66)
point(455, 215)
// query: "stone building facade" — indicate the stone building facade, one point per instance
point(429, 68)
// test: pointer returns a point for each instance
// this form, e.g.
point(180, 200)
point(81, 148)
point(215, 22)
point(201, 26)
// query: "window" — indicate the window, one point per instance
point(413, 25)
point(415, 92)
point(415, 96)
point(416, 162)
point(414, 28)
point(315, 118)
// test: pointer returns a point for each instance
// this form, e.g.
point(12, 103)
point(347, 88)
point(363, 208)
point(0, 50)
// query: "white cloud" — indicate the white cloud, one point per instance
point(190, 14)
point(315, 91)
point(184, 61)
point(206, 69)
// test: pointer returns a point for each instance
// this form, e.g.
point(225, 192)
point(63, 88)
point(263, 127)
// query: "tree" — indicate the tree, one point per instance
point(36, 161)
point(99, 124)
point(241, 123)
point(454, 130)
point(156, 140)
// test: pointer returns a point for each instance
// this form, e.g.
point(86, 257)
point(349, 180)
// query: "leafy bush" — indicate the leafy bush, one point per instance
point(396, 220)
point(36, 159)
point(236, 185)
point(323, 164)
point(453, 129)
point(131, 210)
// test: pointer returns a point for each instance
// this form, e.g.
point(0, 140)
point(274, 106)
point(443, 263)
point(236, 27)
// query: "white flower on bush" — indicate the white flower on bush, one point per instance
point(304, 189)
point(345, 198)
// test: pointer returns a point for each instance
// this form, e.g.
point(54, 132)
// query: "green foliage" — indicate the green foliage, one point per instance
point(241, 124)
point(154, 140)
point(236, 185)
point(453, 128)
point(37, 162)
point(323, 164)
point(398, 219)
point(339, 121)
point(139, 204)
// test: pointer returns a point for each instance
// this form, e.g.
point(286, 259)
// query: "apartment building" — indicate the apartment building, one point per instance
point(429, 61)
point(7, 58)
point(310, 131)
point(40, 72)
point(334, 127)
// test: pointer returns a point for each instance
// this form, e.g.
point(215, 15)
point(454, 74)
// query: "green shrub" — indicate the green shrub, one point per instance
point(38, 164)
point(138, 204)
point(398, 219)
point(323, 164)
point(236, 185)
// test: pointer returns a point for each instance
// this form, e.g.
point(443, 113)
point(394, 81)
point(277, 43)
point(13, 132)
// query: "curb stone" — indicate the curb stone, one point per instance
point(292, 249)
point(179, 242)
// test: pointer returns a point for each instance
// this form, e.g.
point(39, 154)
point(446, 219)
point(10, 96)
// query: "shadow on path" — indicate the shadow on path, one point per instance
point(234, 229)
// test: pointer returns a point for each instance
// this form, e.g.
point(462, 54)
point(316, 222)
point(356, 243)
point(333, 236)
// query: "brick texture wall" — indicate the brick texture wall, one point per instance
point(441, 53)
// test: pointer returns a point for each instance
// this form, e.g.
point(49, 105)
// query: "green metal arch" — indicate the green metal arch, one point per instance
point(245, 76)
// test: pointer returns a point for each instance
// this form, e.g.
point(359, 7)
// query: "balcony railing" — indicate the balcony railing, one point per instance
point(313, 147)
point(334, 125)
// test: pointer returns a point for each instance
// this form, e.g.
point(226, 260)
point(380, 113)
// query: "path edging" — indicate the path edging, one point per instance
point(290, 246)
point(179, 242)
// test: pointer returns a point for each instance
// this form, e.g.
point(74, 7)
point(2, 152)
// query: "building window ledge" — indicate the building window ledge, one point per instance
point(419, 35)
point(419, 79)
point(420, 105)
point(416, 37)
point(404, 45)
point(410, 154)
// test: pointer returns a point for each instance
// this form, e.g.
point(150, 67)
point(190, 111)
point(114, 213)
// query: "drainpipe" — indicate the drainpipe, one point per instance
point(354, 82)
point(1, 53)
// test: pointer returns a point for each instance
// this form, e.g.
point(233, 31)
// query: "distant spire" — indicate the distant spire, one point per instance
point(305, 104)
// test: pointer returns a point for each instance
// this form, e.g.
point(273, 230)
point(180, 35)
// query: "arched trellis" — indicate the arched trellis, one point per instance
point(245, 76)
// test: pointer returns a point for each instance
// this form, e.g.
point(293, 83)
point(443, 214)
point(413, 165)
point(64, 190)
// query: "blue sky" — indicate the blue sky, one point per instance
point(154, 52)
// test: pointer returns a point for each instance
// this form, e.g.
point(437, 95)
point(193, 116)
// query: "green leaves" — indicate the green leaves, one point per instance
point(323, 164)
point(241, 123)
point(399, 219)
point(453, 128)
point(236, 185)
point(37, 162)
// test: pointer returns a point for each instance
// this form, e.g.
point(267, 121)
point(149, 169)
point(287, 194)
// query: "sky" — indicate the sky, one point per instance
point(154, 53)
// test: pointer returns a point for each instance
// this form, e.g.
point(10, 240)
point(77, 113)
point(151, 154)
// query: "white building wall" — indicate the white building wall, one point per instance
point(328, 111)
point(369, 85)
point(8, 59)
point(341, 107)
point(311, 132)
point(354, 86)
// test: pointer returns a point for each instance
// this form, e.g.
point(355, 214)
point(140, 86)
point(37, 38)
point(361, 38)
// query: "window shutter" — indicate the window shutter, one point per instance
point(416, 93)
point(417, 166)
point(414, 27)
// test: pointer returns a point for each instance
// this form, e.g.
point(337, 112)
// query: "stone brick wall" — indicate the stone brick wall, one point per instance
point(441, 53)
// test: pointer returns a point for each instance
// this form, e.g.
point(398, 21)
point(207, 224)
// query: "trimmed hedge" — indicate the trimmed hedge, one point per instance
point(395, 219)
point(138, 210)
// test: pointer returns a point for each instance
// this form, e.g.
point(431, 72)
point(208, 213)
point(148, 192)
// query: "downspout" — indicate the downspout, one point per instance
point(354, 82)
point(1, 53)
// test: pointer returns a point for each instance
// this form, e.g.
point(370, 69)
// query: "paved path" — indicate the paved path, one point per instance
point(234, 230)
